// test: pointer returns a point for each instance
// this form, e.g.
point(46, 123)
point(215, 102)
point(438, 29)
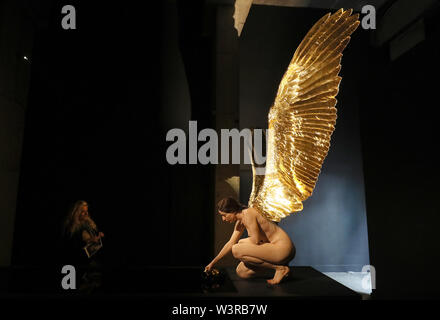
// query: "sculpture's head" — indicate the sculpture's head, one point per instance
point(228, 209)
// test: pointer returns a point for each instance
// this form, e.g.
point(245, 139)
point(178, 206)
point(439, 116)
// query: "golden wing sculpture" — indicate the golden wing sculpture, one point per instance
point(302, 118)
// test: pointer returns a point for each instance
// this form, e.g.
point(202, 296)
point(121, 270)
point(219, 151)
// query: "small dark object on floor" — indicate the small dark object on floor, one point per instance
point(212, 279)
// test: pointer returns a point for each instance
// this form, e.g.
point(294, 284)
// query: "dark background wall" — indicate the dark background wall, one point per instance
point(16, 36)
point(95, 130)
point(331, 231)
point(399, 138)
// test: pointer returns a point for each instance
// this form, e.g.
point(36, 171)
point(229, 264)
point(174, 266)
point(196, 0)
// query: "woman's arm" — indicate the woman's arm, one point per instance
point(238, 231)
point(87, 237)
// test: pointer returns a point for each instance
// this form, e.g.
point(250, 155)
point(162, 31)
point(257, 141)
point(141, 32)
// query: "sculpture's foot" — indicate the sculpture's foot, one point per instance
point(281, 273)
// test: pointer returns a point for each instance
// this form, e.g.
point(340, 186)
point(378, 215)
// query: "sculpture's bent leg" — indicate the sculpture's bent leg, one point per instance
point(247, 271)
point(267, 255)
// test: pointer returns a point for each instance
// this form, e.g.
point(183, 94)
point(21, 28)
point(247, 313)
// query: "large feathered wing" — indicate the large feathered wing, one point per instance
point(302, 118)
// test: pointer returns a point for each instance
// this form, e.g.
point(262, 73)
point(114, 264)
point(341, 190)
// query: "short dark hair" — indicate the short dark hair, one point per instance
point(230, 205)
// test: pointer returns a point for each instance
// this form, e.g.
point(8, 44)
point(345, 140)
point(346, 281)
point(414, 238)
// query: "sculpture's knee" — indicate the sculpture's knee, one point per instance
point(236, 252)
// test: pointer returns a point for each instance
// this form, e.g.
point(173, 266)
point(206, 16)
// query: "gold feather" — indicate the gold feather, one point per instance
point(302, 118)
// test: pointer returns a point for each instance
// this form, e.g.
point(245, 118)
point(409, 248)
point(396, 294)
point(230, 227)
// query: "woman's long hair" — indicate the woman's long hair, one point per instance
point(72, 222)
point(230, 205)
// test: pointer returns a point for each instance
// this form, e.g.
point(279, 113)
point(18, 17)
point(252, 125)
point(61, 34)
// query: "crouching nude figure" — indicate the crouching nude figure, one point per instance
point(268, 247)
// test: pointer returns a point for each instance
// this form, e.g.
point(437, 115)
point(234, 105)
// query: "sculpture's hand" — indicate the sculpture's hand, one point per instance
point(209, 267)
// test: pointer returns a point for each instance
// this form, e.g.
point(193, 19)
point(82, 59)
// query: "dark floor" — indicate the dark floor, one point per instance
point(303, 282)
point(166, 282)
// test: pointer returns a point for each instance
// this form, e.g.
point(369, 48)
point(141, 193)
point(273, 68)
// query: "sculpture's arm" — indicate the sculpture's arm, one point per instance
point(254, 231)
point(236, 235)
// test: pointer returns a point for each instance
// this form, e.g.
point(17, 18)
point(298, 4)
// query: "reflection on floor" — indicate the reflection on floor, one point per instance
point(356, 281)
